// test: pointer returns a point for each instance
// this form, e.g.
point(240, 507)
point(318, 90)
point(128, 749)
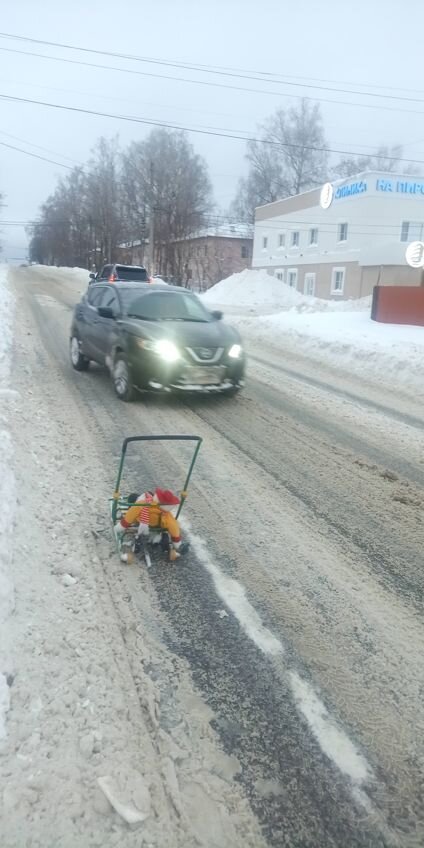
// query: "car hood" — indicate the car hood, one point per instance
point(184, 333)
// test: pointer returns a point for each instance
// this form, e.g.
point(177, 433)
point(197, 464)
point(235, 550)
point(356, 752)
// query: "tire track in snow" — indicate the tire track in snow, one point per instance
point(333, 741)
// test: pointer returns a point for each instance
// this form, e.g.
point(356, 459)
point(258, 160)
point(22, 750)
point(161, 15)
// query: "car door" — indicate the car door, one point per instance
point(90, 319)
point(105, 329)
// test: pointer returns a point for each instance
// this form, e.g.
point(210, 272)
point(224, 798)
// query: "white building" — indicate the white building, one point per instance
point(344, 238)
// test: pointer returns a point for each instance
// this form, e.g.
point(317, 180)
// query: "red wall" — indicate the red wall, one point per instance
point(398, 305)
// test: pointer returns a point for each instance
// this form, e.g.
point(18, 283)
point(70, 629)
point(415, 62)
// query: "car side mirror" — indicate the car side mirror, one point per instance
point(217, 315)
point(106, 312)
point(92, 276)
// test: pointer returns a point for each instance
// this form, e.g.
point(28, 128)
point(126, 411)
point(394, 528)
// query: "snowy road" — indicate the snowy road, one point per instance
point(297, 618)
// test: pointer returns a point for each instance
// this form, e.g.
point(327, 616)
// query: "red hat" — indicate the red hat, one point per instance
point(166, 497)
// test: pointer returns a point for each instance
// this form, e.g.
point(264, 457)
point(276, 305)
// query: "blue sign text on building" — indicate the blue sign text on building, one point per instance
point(348, 190)
point(400, 186)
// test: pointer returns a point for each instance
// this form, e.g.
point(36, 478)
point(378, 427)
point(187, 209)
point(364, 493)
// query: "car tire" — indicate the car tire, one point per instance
point(122, 379)
point(235, 389)
point(78, 361)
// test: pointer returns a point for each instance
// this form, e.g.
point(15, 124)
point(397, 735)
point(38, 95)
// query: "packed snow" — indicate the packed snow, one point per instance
point(7, 496)
point(79, 276)
point(258, 292)
point(339, 334)
point(90, 758)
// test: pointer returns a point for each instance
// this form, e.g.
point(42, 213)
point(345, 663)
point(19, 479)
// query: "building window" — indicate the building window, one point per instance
point(292, 277)
point(309, 284)
point(264, 242)
point(280, 275)
point(313, 236)
point(338, 280)
point(342, 232)
point(411, 231)
point(281, 239)
point(244, 251)
point(295, 238)
point(206, 250)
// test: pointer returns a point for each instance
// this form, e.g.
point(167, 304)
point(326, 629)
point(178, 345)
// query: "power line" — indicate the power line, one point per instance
point(143, 73)
point(216, 134)
point(38, 146)
point(278, 79)
point(303, 227)
point(210, 83)
point(219, 220)
point(35, 155)
point(330, 229)
point(208, 67)
point(97, 95)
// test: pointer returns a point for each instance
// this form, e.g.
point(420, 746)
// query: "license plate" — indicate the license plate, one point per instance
point(207, 376)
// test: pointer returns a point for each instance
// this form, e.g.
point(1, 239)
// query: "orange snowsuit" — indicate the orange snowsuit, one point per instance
point(158, 519)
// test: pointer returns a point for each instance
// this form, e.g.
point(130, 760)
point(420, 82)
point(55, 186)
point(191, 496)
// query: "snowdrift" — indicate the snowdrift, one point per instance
point(349, 341)
point(257, 291)
point(77, 276)
point(7, 494)
point(339, 334)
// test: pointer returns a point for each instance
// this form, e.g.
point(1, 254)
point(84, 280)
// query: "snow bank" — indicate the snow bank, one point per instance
point(392, 354)
point(340, 334)
point(258, 292)
point(77, 276)
point(7, 492)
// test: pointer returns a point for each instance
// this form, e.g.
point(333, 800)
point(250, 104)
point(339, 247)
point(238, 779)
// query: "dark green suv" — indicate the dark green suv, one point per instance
point(155, 338)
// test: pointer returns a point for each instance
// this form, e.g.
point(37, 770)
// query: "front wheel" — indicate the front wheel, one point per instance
point(235, 388)
point(78, 360)
point(122, 380)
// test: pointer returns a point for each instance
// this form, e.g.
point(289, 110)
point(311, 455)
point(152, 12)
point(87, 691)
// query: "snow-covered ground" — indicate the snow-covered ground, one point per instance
point(78, 276)
point(339, 334)
point(87, 756)
point(107, 725)
point(7, 496)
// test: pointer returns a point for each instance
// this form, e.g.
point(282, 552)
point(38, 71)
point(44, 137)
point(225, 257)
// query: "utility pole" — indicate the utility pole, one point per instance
point(151, 223)
point(151, 240)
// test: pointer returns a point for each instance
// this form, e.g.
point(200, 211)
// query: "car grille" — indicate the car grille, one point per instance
point(206, 354)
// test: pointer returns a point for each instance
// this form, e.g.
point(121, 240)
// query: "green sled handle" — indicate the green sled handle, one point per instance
point(197, 439)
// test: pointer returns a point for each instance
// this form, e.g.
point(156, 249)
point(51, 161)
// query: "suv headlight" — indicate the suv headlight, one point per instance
point(164, 348)
point(235, 351)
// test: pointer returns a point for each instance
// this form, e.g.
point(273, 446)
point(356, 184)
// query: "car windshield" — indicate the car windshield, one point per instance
point(165, 306)
point(135, 275)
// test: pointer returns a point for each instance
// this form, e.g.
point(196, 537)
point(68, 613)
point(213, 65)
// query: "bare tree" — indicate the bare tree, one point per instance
point(82, 219)
point(61, 236)
point(104, 204)
point(386, 159)
point(290, 157)
point(164, 174)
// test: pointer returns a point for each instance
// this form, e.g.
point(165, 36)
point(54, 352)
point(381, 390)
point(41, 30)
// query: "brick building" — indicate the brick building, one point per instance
point(132, 252)
point(213, 253)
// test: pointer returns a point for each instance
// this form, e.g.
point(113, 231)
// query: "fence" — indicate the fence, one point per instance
point(398, 305)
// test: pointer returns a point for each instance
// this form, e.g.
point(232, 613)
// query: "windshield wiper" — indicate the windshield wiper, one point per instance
point(141, 317)
point(145, 318)
point(195, 320)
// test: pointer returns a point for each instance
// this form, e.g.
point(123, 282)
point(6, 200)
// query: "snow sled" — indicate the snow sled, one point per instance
point(130, 543)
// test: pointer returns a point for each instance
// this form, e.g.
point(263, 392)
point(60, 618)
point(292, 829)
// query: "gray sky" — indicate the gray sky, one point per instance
point(367, 43)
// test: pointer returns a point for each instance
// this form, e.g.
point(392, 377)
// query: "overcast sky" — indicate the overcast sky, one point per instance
point(327, 43)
